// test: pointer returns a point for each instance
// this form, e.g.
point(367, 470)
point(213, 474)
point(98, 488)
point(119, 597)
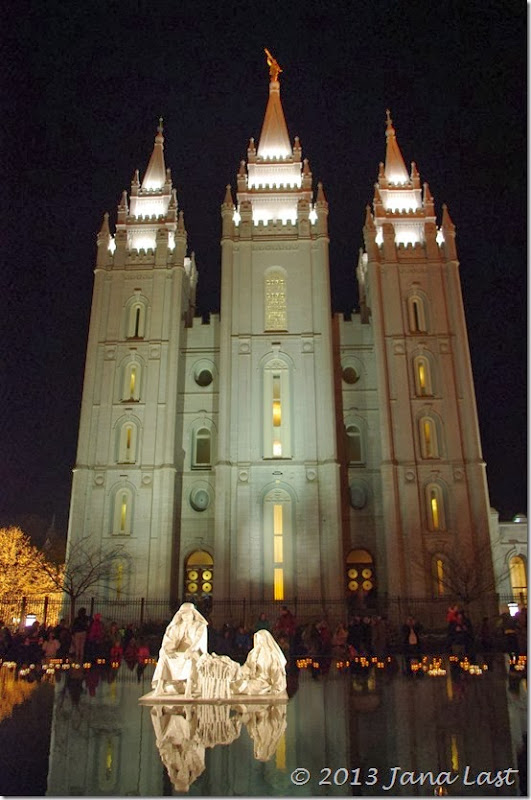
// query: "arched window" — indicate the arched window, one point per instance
point(277, 427)
point(423, 384)
point(201, 452)
point(360, 575)
point(416, 314)
point(198, 577)
point(131, 382)
point(277, 540)
point(354, 444)
point(275, 315)
point(517, 569)
point(136, 320)
point(127, 443)
point(435, 507)
point(429, 443)
point(123, 512)
point(439, 577)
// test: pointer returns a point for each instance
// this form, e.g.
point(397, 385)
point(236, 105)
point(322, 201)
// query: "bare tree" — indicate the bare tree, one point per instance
point(88, 566)
point(464, 578)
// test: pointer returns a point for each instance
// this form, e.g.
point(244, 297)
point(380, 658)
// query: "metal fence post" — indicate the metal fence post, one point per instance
point(142, 601)
point(45, 610)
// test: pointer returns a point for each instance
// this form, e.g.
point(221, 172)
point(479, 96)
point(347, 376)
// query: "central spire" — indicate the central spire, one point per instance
point(274, 138)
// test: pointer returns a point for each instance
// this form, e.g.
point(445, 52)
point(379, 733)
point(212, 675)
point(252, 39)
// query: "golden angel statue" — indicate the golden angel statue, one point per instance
point(274, 66)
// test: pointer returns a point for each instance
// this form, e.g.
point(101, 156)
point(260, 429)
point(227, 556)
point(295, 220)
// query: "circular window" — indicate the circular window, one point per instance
point(207, 575)
point(350, 375)
point(193, 575)
point(192, 587)
point(199, 499)
point(353, 573)
point(207, 587)
point(367, 585)
point(366, 573)
point(353, 585)
point(203, 377)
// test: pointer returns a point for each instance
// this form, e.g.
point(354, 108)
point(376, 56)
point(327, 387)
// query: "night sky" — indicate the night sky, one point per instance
point(83, 86)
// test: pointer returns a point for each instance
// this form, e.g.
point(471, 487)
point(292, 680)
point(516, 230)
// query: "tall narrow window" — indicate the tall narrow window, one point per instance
point(123, 512)
point(131, 385)
point(435, 503)
point(277, 440)
point(277, 417)
point(136, 321)
point(429, 445)
point(119, 579)
point(278, 553)
point(518, 578)
point(423, 384)
point(354, 444)
point(278, 558)
point(127, 443)
point(439, 576)
point(201, 449)
point(416, 314)
point(275, 318)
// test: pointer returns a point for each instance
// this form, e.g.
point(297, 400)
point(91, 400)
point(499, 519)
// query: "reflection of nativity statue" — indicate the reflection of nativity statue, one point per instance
point(180, 751)
point(183, 732)
point(265, 725)
point(184, 642)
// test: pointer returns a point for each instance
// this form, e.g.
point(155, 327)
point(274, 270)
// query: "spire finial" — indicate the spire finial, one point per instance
point(160, 127)
point(274, 66)
point(389, 122)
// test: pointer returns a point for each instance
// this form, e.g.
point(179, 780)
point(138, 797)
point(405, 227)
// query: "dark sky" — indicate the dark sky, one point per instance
point(83, 86)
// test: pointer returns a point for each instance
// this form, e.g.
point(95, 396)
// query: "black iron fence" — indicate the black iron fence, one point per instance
point(430, 612)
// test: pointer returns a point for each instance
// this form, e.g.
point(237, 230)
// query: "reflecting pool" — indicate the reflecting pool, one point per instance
point(373, 731)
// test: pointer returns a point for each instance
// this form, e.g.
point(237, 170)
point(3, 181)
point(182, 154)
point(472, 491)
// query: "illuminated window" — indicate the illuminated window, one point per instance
point(123, 512)
point(276, 412)
point(416, 314)
point(131, 385)
point(435, 505)
point(518, 574)
point(278, 553)
point(198, 577)
point(438, 575)
point(277, 538)
point(360, 574)
point(354, 444)
point(429, 445)
point(423, 384)
point(127, 443)
point(202, 449)
point(275, 302)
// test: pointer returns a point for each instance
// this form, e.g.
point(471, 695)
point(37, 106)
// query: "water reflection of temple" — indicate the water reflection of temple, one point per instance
point(104, 742)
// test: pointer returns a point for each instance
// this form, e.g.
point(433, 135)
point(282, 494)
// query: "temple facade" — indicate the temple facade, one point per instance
point(280, 451)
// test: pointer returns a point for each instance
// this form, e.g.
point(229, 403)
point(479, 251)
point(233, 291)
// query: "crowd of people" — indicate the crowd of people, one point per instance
point(89, 638)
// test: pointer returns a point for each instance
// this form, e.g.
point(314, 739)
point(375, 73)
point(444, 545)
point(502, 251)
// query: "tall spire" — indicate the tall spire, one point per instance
point(155, 176)
point(274, 138)
point(395, 169)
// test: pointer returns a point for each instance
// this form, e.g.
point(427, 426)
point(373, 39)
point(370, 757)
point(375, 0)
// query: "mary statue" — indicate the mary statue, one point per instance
point(184, 642)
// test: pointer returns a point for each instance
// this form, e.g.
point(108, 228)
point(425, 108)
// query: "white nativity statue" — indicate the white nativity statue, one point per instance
point(186, 670)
